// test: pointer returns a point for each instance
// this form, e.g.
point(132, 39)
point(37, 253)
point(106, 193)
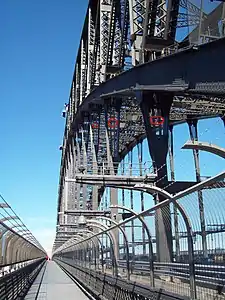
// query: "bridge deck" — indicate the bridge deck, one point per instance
point(54, 284)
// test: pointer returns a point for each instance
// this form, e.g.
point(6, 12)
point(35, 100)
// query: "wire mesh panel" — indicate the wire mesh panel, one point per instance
point(15, 285)
point(205, 209)
point(184, 235)
point(112, 288)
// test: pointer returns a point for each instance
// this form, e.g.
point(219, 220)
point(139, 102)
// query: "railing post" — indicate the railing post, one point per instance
point(151, 262)
point(111, 237)
point(189, 232)
point(193, 292)
point(6, 293)
point(94, 251)
point(126, 242)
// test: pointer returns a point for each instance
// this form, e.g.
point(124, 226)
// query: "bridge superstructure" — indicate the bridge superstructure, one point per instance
point(143, 67)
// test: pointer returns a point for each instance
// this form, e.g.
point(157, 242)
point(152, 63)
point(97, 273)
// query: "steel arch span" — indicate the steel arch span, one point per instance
point(137, 75)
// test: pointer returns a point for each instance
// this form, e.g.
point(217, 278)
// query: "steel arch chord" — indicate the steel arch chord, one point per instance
point(143, 68)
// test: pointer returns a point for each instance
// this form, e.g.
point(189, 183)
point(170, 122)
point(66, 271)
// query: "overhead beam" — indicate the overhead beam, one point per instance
point(190, 66)
point(111, 179)
point(87, 213)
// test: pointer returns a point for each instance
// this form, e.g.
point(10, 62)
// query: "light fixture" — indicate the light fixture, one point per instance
point(82, 221)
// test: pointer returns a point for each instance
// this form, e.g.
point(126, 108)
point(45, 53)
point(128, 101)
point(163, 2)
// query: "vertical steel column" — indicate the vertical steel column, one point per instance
point(105, 19)
point(223, 21)
point(140, 158)
point(71, 196)
point(136, 11)
point(84, 164)
point(65, 191)
point(130, 156)
point(193, 130)
point(77, 88)
point(153, 105)
point(116, 133)
point(107, 198)
point(83, 70)
point(175, 212)
point(73, 106)
point(123, 44)
point(68, 185)
point(95, 171)
point(171, 19)
point(90, 50)
point(123, 203)
point(113, 191)
point(94, 198)
point(72, 173)
point(94, 58)
point(78, 164)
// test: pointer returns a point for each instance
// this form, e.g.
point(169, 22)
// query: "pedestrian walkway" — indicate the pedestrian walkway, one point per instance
point(53, 284)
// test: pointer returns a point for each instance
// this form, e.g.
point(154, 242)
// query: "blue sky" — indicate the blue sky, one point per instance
point(39, 41)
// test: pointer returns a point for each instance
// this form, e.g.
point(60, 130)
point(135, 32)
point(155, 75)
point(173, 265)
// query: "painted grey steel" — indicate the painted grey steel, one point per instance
point(101, 247)
point(186, 220)
point(100, 226)
point(179, 195)
point(205, 146)
point(206, 273)
point(145, 32)
point(112, 239)
point(189, 235)
point(151, 264)
point(86, 232)
point(214, 81)
point(87, 213)
point(100, 179)
point(84, 250)
point(126, 242)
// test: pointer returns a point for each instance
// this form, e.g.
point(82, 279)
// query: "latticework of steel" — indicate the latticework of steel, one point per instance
point(135, 78)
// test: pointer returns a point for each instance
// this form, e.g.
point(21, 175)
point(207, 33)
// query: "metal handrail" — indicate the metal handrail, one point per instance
point(17, 283)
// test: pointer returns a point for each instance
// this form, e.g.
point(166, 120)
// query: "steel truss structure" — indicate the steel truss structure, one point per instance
point(135, 78)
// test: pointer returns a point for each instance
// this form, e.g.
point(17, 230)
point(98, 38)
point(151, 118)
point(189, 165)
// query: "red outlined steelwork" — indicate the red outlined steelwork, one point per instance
point(113, 123)
point(95, 125)
point(156, 120)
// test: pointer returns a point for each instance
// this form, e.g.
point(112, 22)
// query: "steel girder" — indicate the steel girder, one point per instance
point(182, 108)
point(114, 32)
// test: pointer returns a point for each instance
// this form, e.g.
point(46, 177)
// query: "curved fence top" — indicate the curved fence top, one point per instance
point(17, 243)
